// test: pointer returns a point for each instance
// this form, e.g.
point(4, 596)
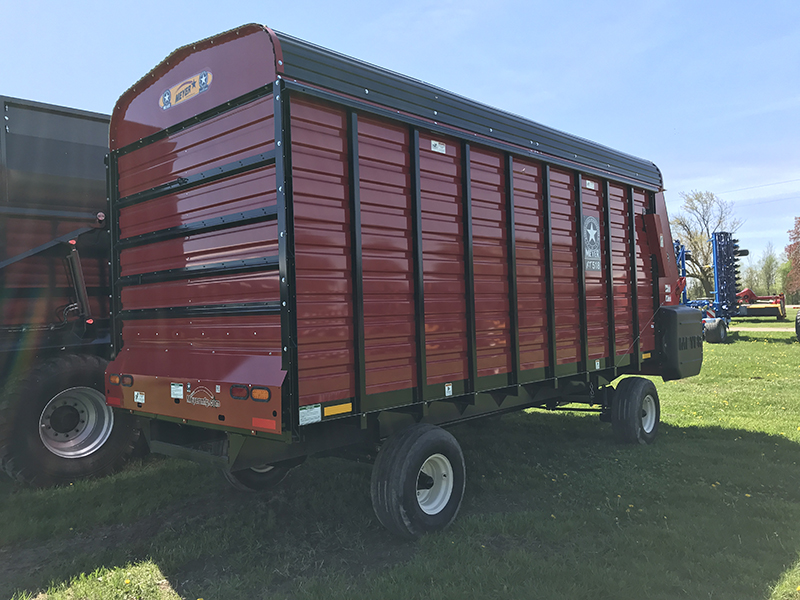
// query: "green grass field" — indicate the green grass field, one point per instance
point(554, 509)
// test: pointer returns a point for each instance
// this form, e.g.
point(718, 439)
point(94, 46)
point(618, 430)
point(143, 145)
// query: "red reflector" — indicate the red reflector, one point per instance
point(239, 392)
point(72, 242)
point(268, 424)
point(89, 321)
point(114, 401)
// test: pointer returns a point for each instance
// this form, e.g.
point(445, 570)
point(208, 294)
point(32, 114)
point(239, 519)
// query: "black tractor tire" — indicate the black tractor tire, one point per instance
point(635, 411)
point(716, 331)
point(260, 479)
point(418, 481)
point(55, 427)
point(797, 325)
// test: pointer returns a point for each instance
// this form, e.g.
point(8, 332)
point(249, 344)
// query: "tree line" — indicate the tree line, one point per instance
point(702, 214)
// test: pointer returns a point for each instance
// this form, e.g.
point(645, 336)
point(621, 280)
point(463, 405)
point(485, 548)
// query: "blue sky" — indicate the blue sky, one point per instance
point(709, 91)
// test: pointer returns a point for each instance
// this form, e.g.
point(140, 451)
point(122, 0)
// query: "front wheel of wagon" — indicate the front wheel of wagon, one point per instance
point(418, 481)
point(636, 411)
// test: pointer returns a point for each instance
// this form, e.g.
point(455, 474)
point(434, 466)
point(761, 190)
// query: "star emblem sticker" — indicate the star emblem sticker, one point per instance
point(591, 233)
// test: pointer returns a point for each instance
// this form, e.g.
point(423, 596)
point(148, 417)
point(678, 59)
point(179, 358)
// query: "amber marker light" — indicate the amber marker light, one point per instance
point(113, 379)
point(260, 394)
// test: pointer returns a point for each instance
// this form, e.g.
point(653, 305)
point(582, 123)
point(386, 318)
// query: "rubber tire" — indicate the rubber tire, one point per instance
point(260, 480)
point(395, 474)
point(716, 331)
point(797, 325)
point(626, 411)
point(25, 457)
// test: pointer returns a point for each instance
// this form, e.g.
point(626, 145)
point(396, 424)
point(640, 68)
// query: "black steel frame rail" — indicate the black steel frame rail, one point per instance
point(512, 271)
point(419, 281)
point(206, 310)
point(579, 246)
point(549, 282)
point(610, 305)
point(181, 184)
point(250, 217)
point(112, 190)
point(469, 269)
point(357, 260)
point(265, 263)
point(637, 354)
point(286, 254)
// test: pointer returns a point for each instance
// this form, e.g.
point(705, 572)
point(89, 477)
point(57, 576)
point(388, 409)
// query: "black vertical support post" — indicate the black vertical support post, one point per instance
point(114, 302)
point(653, 260)
point(356, 258)
point(637, 355)
point(512, 271)
point(469, 269)
point(548, 264)
point(419, 279)
point(286, 260)
point(583, 319)
point(610, 305)
point(4, 187)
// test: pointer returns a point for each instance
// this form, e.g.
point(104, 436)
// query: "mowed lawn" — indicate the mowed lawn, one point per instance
point(554, 509)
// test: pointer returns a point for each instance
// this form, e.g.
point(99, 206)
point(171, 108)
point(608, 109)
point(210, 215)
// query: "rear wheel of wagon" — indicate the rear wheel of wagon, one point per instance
point(716, 331)
point(635, 411)
point(797, 325)
point(55, 426)
point(260, 479)
point(418, 481)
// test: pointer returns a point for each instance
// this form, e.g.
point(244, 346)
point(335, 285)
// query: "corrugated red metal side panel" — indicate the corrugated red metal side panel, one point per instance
point(565, 266)
point(251, 190)
point(490, 262)
point(322, 253)
point(621, 267)
point(229, 335)
point(644, 275)
point(240, 133)
point(227, 289)
point(529, 235)
point(596, 293)
point(389, 319)
point(242, 243)
point(441, 190)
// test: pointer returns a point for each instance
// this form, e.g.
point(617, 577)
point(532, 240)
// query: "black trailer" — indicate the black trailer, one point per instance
point(54, 424)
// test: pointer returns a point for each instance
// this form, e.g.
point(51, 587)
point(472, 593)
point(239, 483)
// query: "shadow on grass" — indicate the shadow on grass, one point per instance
point(554, 508)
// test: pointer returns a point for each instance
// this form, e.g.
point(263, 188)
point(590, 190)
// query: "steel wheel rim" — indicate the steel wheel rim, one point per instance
point(648, 413)
point(76, 422)
point(434, 484)
point(262, 469)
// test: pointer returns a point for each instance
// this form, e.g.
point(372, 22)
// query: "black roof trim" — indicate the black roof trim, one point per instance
point(315, 65)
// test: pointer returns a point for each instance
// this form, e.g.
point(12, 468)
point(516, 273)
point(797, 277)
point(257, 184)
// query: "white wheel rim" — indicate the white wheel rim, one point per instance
point(262, 469)
point(648, 413)
point(434, 484)
point(76, 422)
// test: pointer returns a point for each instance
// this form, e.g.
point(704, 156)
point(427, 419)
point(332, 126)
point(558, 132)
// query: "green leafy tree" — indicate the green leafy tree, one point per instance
point(702, 214)
point(768, 270)
point(792, 282)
